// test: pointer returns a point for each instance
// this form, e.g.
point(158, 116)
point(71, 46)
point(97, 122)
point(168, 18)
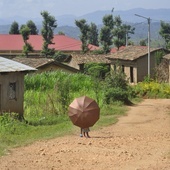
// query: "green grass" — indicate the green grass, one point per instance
point(46, 101)
point(21, 133)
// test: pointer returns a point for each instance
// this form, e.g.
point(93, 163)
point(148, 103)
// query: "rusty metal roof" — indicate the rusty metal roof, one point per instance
point(7, 65)
point(11, 42)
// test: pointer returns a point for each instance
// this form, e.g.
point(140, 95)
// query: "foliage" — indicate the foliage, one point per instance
point(93, 34)
point(120, 31)
point(33, 29)
point(159, 56)
point(152, 89)
point(97, 52)
point(43, 105)
point(49, 24)
point(142, 42)
point(165, 33)
point(106, 33)
point(61, 56)
point(116, 87)
point(61, 33)
point(84, 29)
point(97, 71)
point(14, 29)
point(64, 93)
point(25, 31)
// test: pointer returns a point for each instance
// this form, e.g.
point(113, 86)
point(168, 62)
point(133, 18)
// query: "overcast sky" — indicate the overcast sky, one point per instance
point(32, 8)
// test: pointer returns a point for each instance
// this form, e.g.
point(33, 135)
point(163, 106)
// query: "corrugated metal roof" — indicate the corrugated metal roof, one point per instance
point(7, 65)
point(9, 42)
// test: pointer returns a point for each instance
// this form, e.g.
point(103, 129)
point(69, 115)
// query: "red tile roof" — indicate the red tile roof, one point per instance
point(10, 42)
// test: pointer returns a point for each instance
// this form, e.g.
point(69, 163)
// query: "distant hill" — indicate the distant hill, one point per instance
point(96, 17)
point(66, 23)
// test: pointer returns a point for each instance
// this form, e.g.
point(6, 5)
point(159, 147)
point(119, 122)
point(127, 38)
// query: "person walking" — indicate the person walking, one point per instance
point(85, 132)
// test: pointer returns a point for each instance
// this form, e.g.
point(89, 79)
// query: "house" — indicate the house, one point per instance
point(12, 45)
point(45, 64)
point(12, 85)
point(79, 60)
point(134, 61)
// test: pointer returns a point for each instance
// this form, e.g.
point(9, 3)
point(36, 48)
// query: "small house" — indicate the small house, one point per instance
point(133, 61)
point(12, 85)
point(45, 64)
point(78, 61)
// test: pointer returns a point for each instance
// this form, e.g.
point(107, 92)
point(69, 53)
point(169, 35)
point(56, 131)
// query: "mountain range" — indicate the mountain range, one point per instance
point(66, 23)
point(96, 17)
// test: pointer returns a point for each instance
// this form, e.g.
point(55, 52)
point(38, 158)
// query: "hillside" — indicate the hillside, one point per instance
point(66, 22)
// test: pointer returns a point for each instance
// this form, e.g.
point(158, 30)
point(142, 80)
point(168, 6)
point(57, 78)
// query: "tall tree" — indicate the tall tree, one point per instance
point(14, 29)
point(93, 34)
point(33, 29)
point(120, 32)
point(165, 33)
point(25, 32)
point(49, 24)
point(84, 29)
point(143, 42)
point(106, 33)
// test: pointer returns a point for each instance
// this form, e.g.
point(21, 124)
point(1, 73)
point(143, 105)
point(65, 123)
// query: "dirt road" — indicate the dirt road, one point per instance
point(139, 141)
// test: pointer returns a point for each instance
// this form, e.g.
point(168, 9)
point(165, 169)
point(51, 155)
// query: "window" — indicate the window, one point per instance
point(12, 91)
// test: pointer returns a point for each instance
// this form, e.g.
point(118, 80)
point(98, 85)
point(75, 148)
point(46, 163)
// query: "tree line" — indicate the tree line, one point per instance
point(112, 33)
point(47, 32)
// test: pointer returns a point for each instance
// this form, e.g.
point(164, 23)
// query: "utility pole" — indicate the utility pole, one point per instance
point(126, 38)
point(149, 21)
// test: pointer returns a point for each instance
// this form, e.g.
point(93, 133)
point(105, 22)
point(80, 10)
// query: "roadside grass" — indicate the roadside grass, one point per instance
point(18, 133)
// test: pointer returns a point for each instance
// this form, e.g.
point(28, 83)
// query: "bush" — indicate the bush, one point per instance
point(116, 87)
point(116, 94)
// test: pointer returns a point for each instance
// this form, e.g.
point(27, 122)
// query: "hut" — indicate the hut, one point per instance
point(12, 85)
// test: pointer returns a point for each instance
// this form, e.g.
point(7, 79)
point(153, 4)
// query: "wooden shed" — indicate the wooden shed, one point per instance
point(12, 85)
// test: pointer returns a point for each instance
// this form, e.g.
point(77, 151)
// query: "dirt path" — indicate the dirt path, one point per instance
point(139, 141)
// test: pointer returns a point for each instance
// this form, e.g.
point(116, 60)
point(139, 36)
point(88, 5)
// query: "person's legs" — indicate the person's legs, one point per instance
point(84, 134)
point(88, 134)
point(81, 131)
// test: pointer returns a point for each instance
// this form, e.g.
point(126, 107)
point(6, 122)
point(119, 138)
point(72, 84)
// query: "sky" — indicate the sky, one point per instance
point(33, 8)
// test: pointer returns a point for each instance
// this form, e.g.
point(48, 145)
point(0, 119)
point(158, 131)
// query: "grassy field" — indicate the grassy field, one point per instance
point(46, 102)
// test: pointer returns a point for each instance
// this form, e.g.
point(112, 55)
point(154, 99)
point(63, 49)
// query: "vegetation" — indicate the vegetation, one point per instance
point(151, 89)
point(165, 33)
point(47, 97)
point(121, 32)
point(93, 34)
point(33, 28)
point(49, 24)
point(106, 33)
point(84, 29)
point(14, 29)
point(25, 32)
